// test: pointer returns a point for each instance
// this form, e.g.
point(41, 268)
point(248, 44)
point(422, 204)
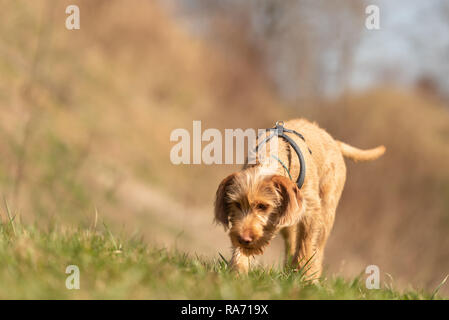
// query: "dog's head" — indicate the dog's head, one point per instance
point(254, 206)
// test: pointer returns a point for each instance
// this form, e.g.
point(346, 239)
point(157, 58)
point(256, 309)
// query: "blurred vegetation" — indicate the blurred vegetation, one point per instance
point(86, 119)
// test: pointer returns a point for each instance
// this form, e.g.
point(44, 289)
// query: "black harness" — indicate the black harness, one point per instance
point(279, 131)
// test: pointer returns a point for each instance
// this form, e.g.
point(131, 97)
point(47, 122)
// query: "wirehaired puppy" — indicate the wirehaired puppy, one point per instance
point(262, 199)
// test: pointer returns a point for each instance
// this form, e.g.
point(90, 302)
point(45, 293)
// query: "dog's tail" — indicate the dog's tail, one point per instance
point(357, 155)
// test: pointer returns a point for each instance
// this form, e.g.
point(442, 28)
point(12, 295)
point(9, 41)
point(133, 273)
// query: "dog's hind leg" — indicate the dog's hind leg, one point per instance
point(331, 187)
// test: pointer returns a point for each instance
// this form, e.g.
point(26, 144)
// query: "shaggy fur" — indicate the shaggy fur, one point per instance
point(261, 200)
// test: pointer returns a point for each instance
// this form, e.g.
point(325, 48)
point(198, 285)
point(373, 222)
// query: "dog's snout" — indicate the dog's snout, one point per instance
point(245, 239)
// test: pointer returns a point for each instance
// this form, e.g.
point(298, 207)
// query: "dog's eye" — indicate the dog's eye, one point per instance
point(261, 207)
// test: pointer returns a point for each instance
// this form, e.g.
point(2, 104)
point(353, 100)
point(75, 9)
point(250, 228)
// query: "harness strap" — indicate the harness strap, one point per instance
point(285, 167)
point(278, 131)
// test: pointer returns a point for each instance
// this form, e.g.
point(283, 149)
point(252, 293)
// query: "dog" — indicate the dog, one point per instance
point(262, 199)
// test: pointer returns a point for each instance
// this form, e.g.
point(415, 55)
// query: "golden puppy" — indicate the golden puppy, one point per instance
point(263, 199)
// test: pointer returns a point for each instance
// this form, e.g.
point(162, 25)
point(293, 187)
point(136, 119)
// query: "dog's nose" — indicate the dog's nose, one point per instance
point(245, 239)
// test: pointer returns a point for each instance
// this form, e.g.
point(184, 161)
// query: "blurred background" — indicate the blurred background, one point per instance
point(86, 117)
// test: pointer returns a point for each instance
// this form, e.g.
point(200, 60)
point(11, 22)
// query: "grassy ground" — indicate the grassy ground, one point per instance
point(33, 264)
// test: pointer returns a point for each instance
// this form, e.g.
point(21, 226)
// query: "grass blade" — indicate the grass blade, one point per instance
point(11, 219)
point(439, 287)
point(224, 259)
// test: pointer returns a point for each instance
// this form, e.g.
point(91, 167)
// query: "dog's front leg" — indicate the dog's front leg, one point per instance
point(289, 235)
point(239, 261)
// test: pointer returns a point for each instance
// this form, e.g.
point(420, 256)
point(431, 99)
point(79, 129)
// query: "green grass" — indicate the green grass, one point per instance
point(33, 264)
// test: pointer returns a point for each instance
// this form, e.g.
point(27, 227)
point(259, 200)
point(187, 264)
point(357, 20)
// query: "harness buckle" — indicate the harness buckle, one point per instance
point(280, 127)
point(280, 123)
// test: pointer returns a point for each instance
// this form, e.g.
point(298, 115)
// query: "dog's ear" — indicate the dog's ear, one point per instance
point(221, 203)
point(290, 200)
